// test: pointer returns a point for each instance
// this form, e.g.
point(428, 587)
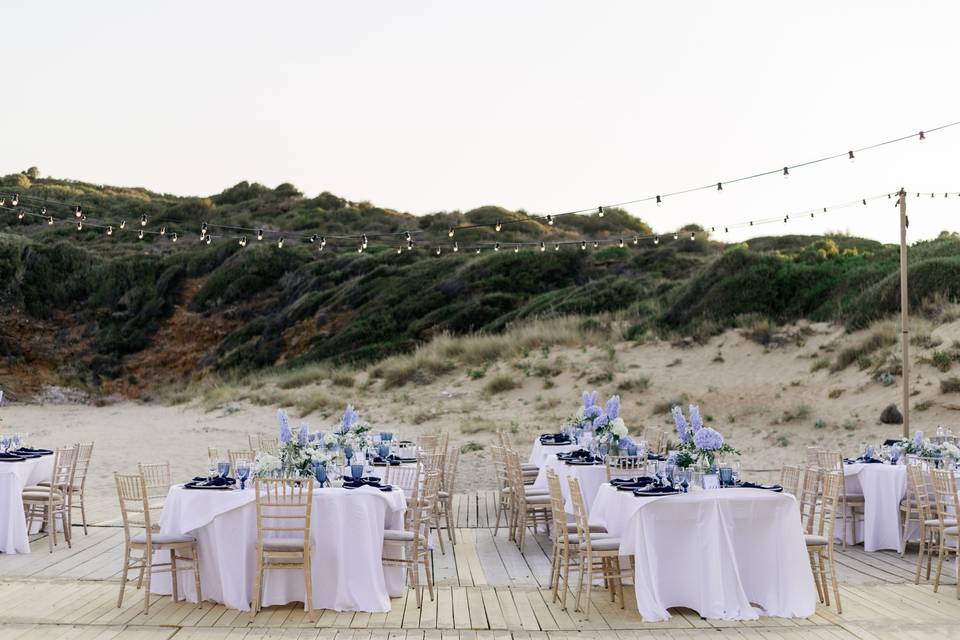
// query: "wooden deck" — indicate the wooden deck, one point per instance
point(487, 590)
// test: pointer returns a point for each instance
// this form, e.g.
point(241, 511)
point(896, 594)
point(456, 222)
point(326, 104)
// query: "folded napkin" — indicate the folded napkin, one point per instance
point(655, 456)
point(215, 482)
point(583, 461)
point(864, 461)
point(393, 461)
point(640, 480)
point(10, 457)
point(40, 452)
point(572, 455)
point(754, 485)
point(554, 438)
point(655, 491)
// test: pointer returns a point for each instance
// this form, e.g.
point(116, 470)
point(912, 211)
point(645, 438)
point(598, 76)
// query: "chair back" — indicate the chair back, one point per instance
point(790, 479)
point(450, 470)
point(135, 510)
point(624, 466)
point(265, 444)
point(832, 481)
point(156, 475)
point(809, 496)
point(580, 514)
point(945, 495)
point(829, 460)
point(655, 439)
point(241, 454)
point(213, 454)
point(557, 507)
point(427, 444)
point(515, 474)
point(919, 491)
point(283, 509)
point(405, 476)
point(421, 509)
point(64, 466)
point(813, 456)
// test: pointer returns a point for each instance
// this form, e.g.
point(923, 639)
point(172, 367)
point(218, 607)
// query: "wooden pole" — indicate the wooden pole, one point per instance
point(904, 305)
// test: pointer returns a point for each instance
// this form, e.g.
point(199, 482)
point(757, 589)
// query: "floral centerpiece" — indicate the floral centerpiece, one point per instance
point(352, 432)
point(924, 448)
point(604, 422)
point(698, 443)
point(297, 453)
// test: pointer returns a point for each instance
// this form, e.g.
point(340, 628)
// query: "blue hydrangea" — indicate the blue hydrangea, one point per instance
point(601, 421)
point(696, 422)
point(918, 440)
point(613, 408)
point(706, 439)
point(681, 423)
point(285, 434)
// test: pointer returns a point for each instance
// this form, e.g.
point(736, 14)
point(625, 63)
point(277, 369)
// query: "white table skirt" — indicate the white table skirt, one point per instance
point(590, 477)
point(883, 487)
point(347, 546)
point(717, 552)
point(539, 453)
point(14, 476)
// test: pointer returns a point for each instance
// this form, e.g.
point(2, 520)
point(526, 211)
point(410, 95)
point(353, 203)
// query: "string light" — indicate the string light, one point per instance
point(79, 225)
point(323, 241)
point(676, 236)
point(450, 233)
point(364, 241)
point(399, 250)
point(549, 218)
point(15, 200)
point(77, 211)
point(583, 245)
point(656, 240)
point(556, 246)
point(123, 224)
point(50, 220)
point(2, 201)
point(850, 156)
point(203, 230)
point(516, 249)
point(143, 220)
point(408, 237)
point(43, 210)
point(243, 241)
point(636, 240)
point(163, 231)
point(693, 236)
point(409, 245)
point(140, 234)
point(922, 137)
point(20, 215)
point(719, 186)
point(280, 243)
point(786, 172)
point(109, 231)
point(659, 201)
point(456, 247)
point(496, 247)
point(498, 226)
point(173, 237)
point(259, 234)
point(438, 250)
point(478, 250)
point(209, 239)
point(596, 244)
point(543, 247)
point(621, 243)
point(600, 211)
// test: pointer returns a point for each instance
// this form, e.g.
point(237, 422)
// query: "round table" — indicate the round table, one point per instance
point(883, 487)
point(540, 451)
point(347, 545)
point(590, 477)
point(715, 552)
point(14, 476)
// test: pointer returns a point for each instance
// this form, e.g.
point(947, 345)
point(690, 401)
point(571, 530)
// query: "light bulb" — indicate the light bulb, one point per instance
point(79, 225)
point(676, 235)
point(313, 238)
point(498, 226)
point(656, 240)
point(438, 250)
point(719, 186)
point(123, 224)
point(20, 215)
point(173, 237)
point(516, 249)
point(203, 230)
point(583, 245)
point(659, 201)
point(693, 236)
point(364, 241)
point(600, 211)
point(143, 220)
point(109, 231)
point(636, 239)
point(407, 233)
point(360, 249)
point(409, 245)
point(163, 231)
point(556, 246)
point(50, 220)
point(478, 250)
point(496, 247)
point(450, 233)
point(77, 211)
point(43, 210)
point(621, 243)
point(243, 241)
point(596, 244)
point(865, 200)
point(140, 234)
point(2, 201)
point(399, 250)
point(15, 200)
point(543, 247)
point(209, 239)
point(259, 234)
point(323, 241)
point(280, 243)
point(922, 137)
point(850, 156)
point(786, 172)
point(549, 219)
point(456, 247)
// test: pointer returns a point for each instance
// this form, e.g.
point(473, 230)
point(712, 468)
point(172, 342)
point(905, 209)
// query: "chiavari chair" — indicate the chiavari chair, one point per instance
point(624, 466)
point(820, 543)
point(51, 502)
point(599, 555)
point(284, 506)
point(929, 523)
point(790, 479)
point(850, 505)
point(75, 491)
point(529, 470)
point(947, 508)
point(240, 454)
point(136, 513)
point(527, 506)
point(415, 537)
point(157, 477)
point(445, 494)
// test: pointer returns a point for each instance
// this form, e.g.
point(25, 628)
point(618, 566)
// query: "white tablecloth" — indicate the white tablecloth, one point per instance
point(14, 476)
point(882, 486)
point(346, 533)
point(539, 453)
point(717, 552)
point(590, 477)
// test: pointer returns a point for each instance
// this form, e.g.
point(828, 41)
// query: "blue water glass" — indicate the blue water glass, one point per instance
point(632, 450)
point(243, 472)
point(868, 453)
point(223, 469)
point(348, 453)
point(320, 473)
point(383, 450)
point(726, 476)
point(356, 471)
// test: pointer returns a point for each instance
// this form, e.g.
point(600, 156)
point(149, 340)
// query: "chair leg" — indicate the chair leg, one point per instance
point(83, 515)
point(823, 576)
point(126, 570)
point(148, 562)
point(195, 555)
point(906, 528)
point(428, 569)
point(496, 526)
point(257, 583)
point(940, 553)
point(582, 570)
point(52, 526)
point(173, 575)
point(308, 584)
point(586, 612)
point(816, 574)
point(920, 552)
point(836, 585)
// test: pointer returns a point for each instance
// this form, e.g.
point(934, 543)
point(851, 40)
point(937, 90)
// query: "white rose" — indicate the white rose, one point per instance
point(618, 427)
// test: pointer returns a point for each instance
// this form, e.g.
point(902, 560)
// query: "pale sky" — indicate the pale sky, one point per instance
point(547, 106)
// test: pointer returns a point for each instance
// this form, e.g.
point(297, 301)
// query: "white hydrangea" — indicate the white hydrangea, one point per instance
point(618, 427)
point(266, 463)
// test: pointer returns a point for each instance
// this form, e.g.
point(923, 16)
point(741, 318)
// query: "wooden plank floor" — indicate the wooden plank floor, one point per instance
point(486, 590)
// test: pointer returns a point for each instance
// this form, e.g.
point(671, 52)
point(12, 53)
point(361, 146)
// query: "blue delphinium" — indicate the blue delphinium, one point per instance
point(681, 422)
point(696, 422)
point(613, 408)
point(303, 436)
point(918, 441)
point(706, 439)
point(350, 417)
point(589, 399)
point(285, 433)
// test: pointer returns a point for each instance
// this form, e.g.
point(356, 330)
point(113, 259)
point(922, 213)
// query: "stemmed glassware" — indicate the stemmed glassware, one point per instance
point(242, 471)
point(211, 468)
point(223, 468)
point(685, 479)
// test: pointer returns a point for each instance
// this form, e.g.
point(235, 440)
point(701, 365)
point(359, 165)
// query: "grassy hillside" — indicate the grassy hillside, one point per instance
point(121, 314)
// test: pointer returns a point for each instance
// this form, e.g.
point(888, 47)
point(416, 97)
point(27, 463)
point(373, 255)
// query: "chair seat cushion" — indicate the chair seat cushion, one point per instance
point(951, 531)
point(283, 544)
point(41, 496)
point(933, 522)
point(526, 466)
point(574, 538)
point(603, 544)
point(594, 528)
point(35, 488)
point(397, 535)
point(162, 539)
point(538, 499)
point(815, 541)
point(46, 483)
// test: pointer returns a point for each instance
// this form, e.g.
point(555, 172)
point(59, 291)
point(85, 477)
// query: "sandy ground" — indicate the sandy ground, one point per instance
point(766, 401)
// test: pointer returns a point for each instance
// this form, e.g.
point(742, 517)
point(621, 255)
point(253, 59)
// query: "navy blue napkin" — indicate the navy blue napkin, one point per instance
point(217, 481)
point(753, 485)
point(655, 491)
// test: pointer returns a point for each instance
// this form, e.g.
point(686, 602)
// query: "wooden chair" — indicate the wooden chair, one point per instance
point(445, 494)
point(820, 543)
point(926, 515)
point(850, 506)
point(242, 454)
point(813, 456)
point(51, 502)
point(503, 486)
point(428, 444)
point(790, 479)
point(530, 471)
point(283, 532)
point(599, 556)
point(75, 490)
point(213, 454)
point(526, 506)
point(656, 439)
point(136, 513)
point(407, 477)
point(415, 537)
point(266, 444)
point(808, 499)
point(157, 477)
point(947, 508)
point(624, 466)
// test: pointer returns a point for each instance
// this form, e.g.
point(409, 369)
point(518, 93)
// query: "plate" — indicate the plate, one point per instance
point(642, 493)
point(582, 463)
point(219, 487)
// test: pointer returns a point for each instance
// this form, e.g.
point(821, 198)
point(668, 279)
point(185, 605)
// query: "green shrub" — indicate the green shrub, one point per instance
point(500, 383)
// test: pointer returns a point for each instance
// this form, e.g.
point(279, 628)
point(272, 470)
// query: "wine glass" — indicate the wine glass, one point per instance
point(242, 471)
point(735, 466)
point(211, 468)
point(348, 453)
point(223, 468)
point(685, 480)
